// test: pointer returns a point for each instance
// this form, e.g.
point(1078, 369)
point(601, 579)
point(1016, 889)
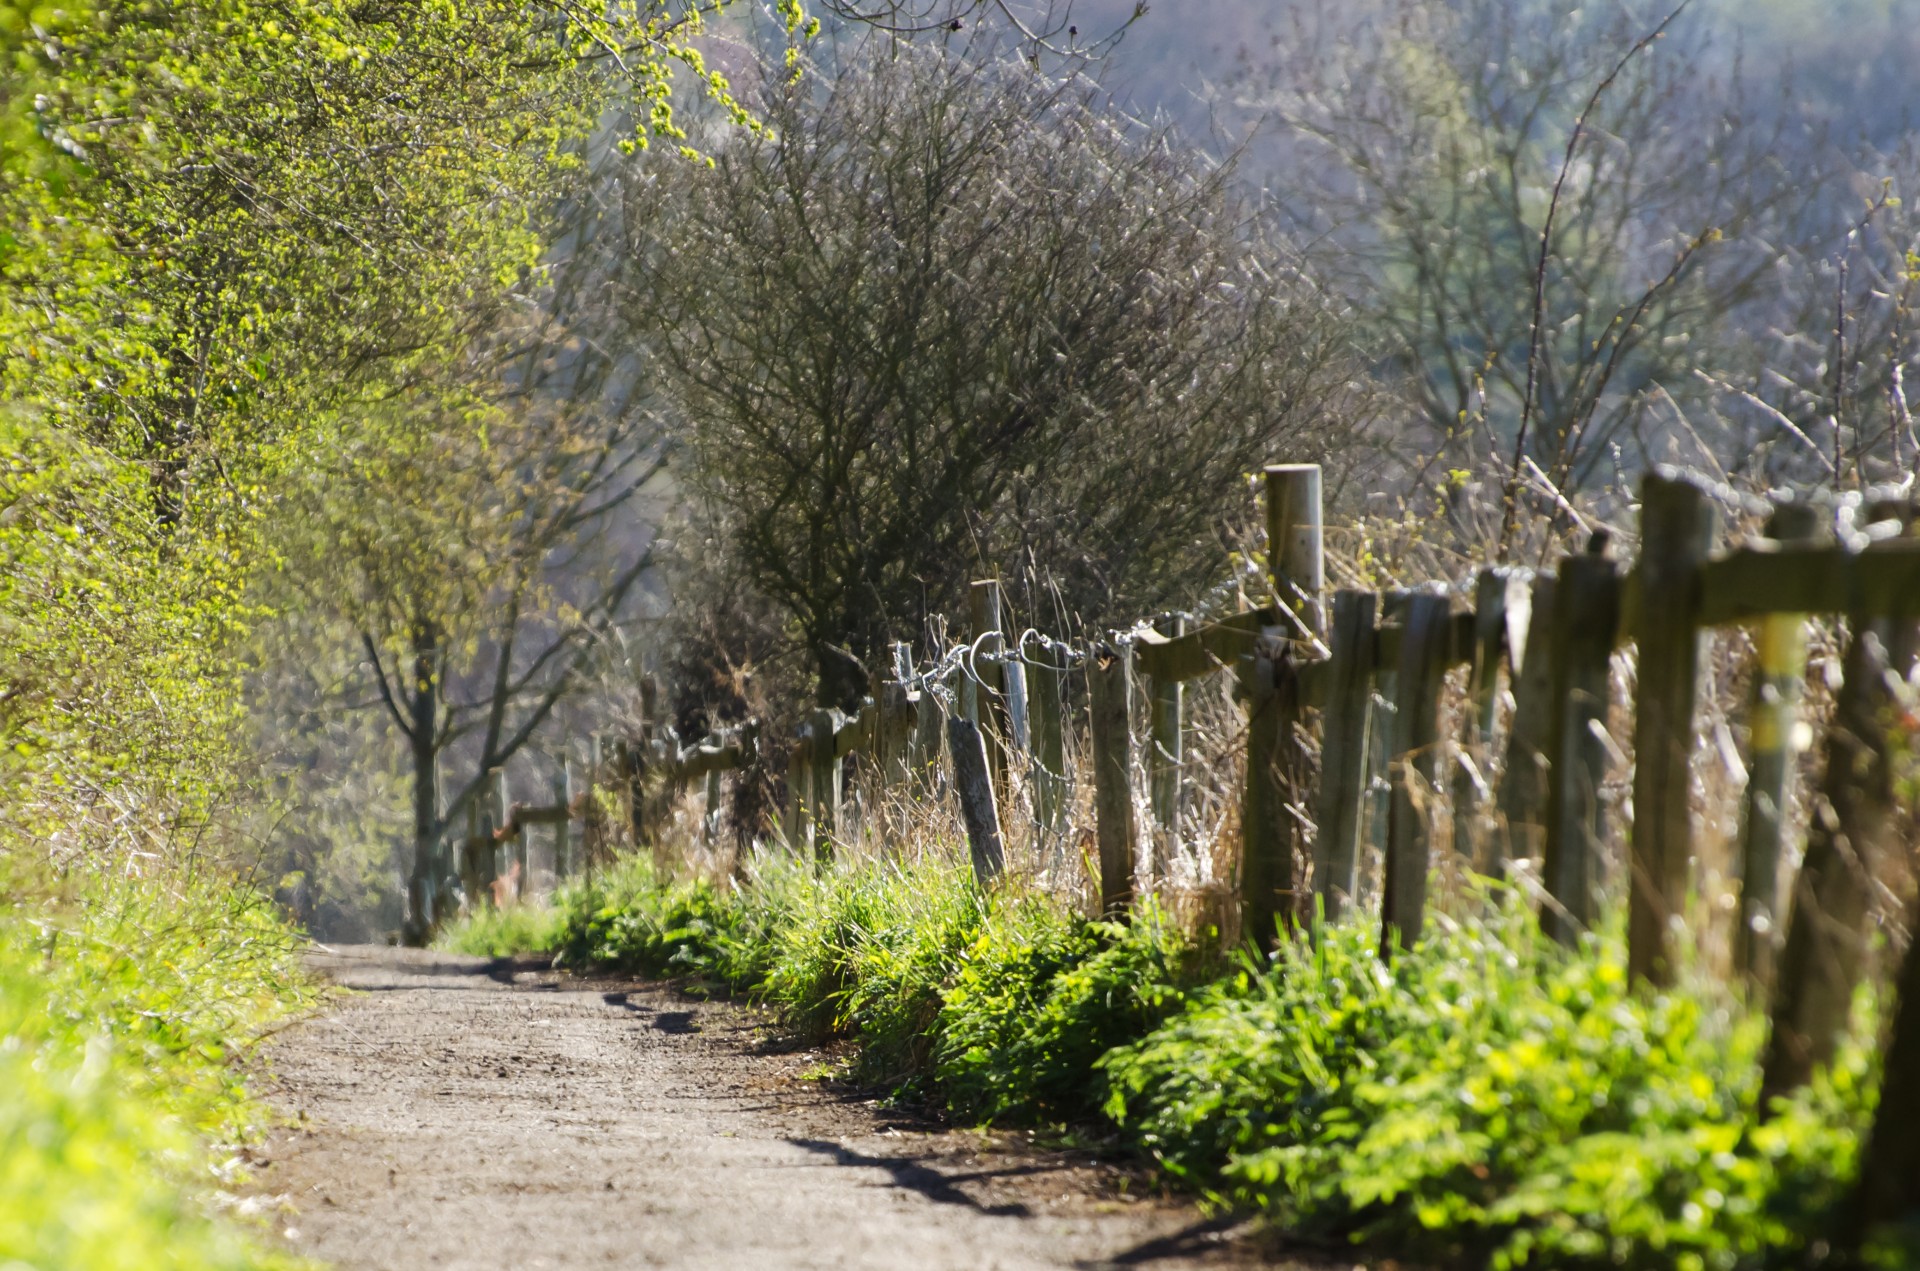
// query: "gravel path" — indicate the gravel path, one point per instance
point(456, 1113)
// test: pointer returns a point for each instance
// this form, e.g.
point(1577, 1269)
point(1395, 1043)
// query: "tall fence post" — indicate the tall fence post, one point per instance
point(1383, 714)
point(800, 792)
point(563, 828)
point(1424, 644)
point(1271, 836)
point(1586, 614)
point(1295, 553)
point(1779, 676)
point(1676, 530)
point(1166, 720)
point(1494, 589)
point(1343, 751)
point(1110, 729)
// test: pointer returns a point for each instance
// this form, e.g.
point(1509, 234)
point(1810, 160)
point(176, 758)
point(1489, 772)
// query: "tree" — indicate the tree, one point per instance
point(948, 314)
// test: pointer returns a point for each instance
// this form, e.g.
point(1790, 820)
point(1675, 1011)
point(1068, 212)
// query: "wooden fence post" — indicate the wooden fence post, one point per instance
point(1267, 883)
point(1676, 530)
point(1166, 720)
point(1828, 931)
point(1343, 751)
point(1585, 616)
point(1493, 590)
point(1889, 1188)
point(825, 786)
point(498, 806)
point(989, 643)
point(800, 791)
point(1110, 681)
point(1424, 645)
point(1046, 693)
point(1383, 726)
point(1779, 676)
point(1525, 772)
point(1294, 542)
point(892, 750)
point(973, 784)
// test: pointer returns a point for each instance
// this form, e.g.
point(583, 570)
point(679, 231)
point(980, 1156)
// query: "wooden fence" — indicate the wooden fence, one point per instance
point(1320, 667)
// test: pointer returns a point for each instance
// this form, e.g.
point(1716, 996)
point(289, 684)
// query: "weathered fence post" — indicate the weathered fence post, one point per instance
point(1046, 692)
point(1424, 644)
point(1585, 616)
point(973, 783)
point(826, 780)
point(989, 666)
point(1779, 676)
point(1383, 726)
point(1271, 835)
point(1828, 933)
point(1343, 751)
point(1166, 719)
point(892, 746)
point(1494, 589)
point(1525, 772)
point(1294, 543)
point(1267, 884)
point(800, 791)
point(1676, 530)
point(1110, 683)
point(499, 807)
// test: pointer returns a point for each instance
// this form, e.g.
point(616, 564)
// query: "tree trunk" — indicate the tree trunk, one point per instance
point(423, 708)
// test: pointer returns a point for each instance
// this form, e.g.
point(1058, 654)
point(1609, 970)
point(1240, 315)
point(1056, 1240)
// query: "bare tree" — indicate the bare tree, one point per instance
point(950, 315)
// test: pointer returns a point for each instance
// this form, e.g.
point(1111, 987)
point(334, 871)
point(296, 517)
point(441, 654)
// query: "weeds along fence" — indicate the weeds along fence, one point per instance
point(1352, 776)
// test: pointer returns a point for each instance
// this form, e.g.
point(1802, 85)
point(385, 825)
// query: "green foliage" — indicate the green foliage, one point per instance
point(1490, 1098)
point(121, 1005)
point(499, 933)
point(1041, 998)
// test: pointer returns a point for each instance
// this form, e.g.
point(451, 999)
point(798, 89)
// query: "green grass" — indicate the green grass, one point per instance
point(1489, 1099)
point(499, 933)
point(121, 1004)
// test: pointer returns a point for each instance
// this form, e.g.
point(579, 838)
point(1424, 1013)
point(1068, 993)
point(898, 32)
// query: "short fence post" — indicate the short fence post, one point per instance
point(1166, 726)
point(1676, 530)
point(895, 739)
point(1525, 772)
point(1110, 681)
point(826, 782)
point(1343, 751)
point(800, 791)
point(1586, 615)
point(973, 783)
point(1423, 665)
point(1779, 676)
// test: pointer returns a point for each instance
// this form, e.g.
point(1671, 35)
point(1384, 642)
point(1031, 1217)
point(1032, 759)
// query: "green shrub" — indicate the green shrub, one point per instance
point(1492, 1099)
point(119, 1007)
point(1040, 998)
point(499, 933)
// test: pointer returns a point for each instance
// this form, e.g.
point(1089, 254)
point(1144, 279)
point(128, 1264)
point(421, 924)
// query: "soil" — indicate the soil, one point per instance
point(460, 1113)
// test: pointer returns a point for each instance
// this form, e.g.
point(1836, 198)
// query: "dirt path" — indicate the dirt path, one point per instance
point(457, 1119)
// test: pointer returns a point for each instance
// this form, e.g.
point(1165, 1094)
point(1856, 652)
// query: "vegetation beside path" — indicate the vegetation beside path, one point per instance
point(1488, 1099)
point(122, 1007)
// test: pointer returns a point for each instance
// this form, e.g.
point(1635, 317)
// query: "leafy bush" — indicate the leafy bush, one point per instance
point(499, 933)
point(1039, 999)
point(1491, 1098)
point(119, 1007)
